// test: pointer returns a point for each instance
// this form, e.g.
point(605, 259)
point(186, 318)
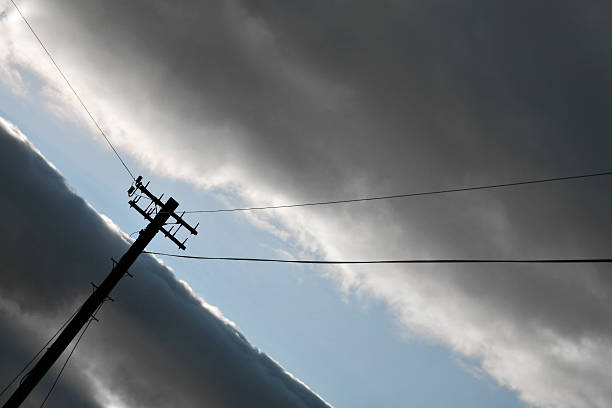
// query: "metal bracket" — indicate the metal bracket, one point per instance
point(152, 208)
point(94, 287)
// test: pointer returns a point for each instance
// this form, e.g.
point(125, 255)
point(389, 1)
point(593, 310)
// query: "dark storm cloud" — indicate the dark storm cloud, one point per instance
point(309, 101)
point(157, 345)
point(452, 87)
point(432, 92)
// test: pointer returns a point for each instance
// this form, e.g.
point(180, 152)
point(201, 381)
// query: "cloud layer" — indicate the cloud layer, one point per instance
point(291, 102)
point(158, 344)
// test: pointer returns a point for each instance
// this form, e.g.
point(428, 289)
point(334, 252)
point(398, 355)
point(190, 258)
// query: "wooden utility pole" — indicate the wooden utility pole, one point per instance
point(101, 293)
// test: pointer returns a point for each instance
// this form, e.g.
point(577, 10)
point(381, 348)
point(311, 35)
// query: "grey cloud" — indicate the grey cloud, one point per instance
point(406, 83)
point(157, 345)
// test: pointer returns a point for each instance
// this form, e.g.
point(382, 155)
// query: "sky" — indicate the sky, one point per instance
point(247, 103)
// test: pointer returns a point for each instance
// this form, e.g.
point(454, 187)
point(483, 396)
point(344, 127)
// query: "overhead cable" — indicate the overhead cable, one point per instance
point(390, 261)
point(43, 348)
point(414, 194)
point(95, 122)
point(59, 374)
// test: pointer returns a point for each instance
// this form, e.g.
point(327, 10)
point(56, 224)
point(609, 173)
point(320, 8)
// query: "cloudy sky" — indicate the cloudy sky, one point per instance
point(260, 102)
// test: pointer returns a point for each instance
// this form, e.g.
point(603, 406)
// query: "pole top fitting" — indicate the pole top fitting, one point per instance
point(158, 207)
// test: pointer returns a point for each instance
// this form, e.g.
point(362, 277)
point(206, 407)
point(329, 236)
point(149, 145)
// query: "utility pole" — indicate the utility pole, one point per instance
point(162, 212)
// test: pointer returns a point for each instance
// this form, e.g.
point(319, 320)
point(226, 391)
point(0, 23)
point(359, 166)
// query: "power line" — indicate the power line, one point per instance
point(389, 261)
point(421, 193)
point(59, 374)
point(37, 354)
point(95, 122)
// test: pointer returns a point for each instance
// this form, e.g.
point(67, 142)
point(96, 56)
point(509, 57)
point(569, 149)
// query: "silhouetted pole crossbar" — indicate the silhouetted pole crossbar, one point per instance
point(151, 209)
point(94, 301)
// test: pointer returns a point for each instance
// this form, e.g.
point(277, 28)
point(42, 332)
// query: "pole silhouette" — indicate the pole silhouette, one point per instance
point(101, 292)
